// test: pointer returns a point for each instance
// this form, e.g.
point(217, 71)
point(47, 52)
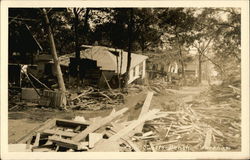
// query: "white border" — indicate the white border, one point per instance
point(244, 154)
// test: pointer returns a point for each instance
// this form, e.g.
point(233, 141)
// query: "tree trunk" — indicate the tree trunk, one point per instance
point(182, 65)
point(181, 58)
point(55, 58)
point(130, 29)
point(77, 48)
point(76, 23)
point(200, 69)
point(77, 45)
point(86, 19)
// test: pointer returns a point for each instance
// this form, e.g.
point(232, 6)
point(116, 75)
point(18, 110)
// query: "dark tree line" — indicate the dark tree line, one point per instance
point(214, 32)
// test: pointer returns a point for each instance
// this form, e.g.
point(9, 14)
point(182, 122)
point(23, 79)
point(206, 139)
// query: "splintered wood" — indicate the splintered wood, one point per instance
point(95, 99)
point(193, 126)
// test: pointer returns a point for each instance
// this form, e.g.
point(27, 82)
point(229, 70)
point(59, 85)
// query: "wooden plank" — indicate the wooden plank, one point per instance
point(107, 83)
point(237, 90)
point(94, 138)
point(64, 142)
point(146, 104)
point(77, 128)
point(91, 128)
point(133, 145)
point(100, 146)
point(36, 143)
point(152, 147)
point(82, 94)
point(106, 146)
point(208, 139)
point(46, 125)
point(43, 148)
point(169, 129)
point(117, 127)
point(133, 125)
point(145, 109)
point(71, 123)
point(59, 132)
point(39, 81)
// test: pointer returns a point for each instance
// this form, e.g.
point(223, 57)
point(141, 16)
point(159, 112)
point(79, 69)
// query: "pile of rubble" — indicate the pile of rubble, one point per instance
point(200, 124)
point(108, 133)
point(94, 99)
point(88, 99)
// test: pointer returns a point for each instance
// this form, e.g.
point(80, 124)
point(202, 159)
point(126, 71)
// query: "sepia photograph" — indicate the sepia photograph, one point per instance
point(124, 79)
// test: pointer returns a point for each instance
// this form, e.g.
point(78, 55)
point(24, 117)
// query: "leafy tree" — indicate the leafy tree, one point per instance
point(227, 46)
point(178, 24)
point(218, 32)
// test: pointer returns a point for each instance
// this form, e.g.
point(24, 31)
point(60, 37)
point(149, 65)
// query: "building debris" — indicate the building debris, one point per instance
point(195, 124)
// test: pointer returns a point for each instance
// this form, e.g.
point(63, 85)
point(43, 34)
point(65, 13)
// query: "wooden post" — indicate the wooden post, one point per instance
point(55, 58)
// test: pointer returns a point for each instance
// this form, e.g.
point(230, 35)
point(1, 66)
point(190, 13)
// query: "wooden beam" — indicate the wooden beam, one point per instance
point(107, 83)
point(65, 142)
point(39, 81)
point(133, 145)
point(100, 146)
point(208, 139)
point(146, 104)
point(145, 109)
point(103, 121)
point(94, 138)
point(71, 123)
point(133, 125)
point(36, 143)
point(59, 132)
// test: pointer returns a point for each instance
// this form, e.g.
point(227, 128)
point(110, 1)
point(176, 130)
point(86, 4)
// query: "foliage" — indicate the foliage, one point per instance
point(215, 32)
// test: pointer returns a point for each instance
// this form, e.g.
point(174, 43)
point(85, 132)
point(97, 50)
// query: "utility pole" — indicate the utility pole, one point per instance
point(55, 58)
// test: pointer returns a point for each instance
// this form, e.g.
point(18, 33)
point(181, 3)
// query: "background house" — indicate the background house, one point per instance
point(160, 65)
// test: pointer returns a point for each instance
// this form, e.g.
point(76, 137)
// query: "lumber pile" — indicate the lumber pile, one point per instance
point(108, 133)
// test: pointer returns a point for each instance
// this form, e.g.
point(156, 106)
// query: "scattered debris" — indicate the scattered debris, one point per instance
point(206, 122)
point(95, 99)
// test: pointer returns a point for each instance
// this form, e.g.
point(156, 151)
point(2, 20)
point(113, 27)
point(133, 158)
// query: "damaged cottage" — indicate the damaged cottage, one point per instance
point(102, 66)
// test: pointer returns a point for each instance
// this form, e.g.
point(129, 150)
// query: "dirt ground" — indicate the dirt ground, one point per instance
point(33, 116)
